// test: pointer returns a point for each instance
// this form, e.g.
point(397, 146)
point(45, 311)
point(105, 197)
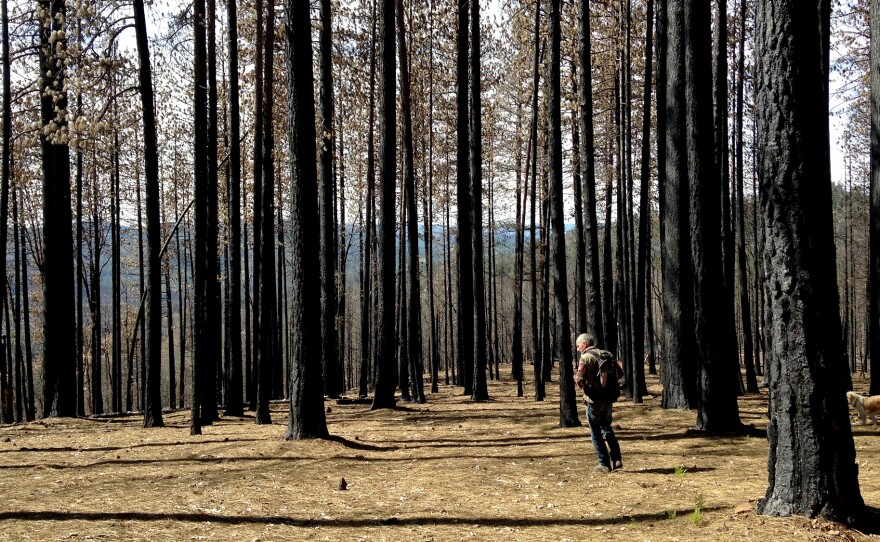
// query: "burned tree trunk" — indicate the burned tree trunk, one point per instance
point(306, 391)
point(812, 456)
point(386, 368)
point(153, 339)
point(59, 367)
point(567, 403)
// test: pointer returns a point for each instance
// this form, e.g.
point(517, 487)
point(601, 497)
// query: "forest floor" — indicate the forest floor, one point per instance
point(447, 470)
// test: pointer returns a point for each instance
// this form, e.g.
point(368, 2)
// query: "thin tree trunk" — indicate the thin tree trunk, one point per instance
point(568, 416)
point(533, 260)
point(116, 294)
point(400, 335)
point(181, 305)
point(386, 368)
point(451, 349)
point(265, 331)
point(745, 308)
point(213, 306)
point(546, 325)
point(172, 382)
point(6, 159)
point(153, 339)
point(609, 319)
point(434, 352)
point(342, 249)
point(587, 163)
point(259, 47)
point(517, 360)
point(249, 391)
point(325, 204)
point(80, 275)
point(30, 410)
point(142, 288)
point(19, 361)
point(661, 32)
point(580, 281)
point(367, 230)
point(644, 257)
point(413, 300)
point(200, 121)
point(234, 396)
point(97, 402)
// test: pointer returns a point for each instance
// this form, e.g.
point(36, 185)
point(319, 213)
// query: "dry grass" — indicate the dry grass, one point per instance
point(447, 470)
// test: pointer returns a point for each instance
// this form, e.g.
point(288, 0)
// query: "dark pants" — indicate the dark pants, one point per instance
point(599, 417)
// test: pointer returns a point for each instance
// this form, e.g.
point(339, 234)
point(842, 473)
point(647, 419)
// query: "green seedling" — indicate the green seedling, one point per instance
point(697, 516)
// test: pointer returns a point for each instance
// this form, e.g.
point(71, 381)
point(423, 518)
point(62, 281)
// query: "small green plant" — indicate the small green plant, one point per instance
point(672, 513)
point(680, 471)
point(697, 516)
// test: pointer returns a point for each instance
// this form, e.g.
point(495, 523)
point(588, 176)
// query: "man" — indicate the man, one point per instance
point(592, 381)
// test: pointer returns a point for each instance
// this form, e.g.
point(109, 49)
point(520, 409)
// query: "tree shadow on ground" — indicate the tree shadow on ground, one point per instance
point(458, 443)
point(672, 470)
point(128, 447)
point(358, 445)
point(416, 521)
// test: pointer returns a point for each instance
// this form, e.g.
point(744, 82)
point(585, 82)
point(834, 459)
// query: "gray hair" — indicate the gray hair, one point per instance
point(585, 338)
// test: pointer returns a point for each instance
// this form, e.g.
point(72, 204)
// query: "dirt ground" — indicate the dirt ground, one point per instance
point(446, 470)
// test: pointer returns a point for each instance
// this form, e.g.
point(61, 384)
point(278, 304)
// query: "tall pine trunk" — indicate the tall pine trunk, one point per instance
point(257, 214)
point(325, 204)
point(153, 316)
point(580, 280)
point(717, 409)
point(30, 410)
point(267, 374)
point(812, 456)
point(587, 161)
point(533, 246)
point(742, 271)
point(200, 267)
point(567, 403)
point(5, 394)
point(678, 370)
point(59, 321)
point(234, 395)
point(307, 387)
point(517, 360)
point(644, 255)
point(97, 387)
point(386, 366)
point(213, 307)
point(369, 260)
point(413, 300)
point(434, 350)
point(464, 246)
point(479, 391)
point(19, 361)
point(874, 209)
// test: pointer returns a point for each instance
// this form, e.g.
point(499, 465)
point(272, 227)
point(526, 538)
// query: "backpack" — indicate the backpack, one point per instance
point(612, 370)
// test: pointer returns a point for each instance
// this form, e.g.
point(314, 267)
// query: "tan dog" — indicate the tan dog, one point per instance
point(865, 406)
